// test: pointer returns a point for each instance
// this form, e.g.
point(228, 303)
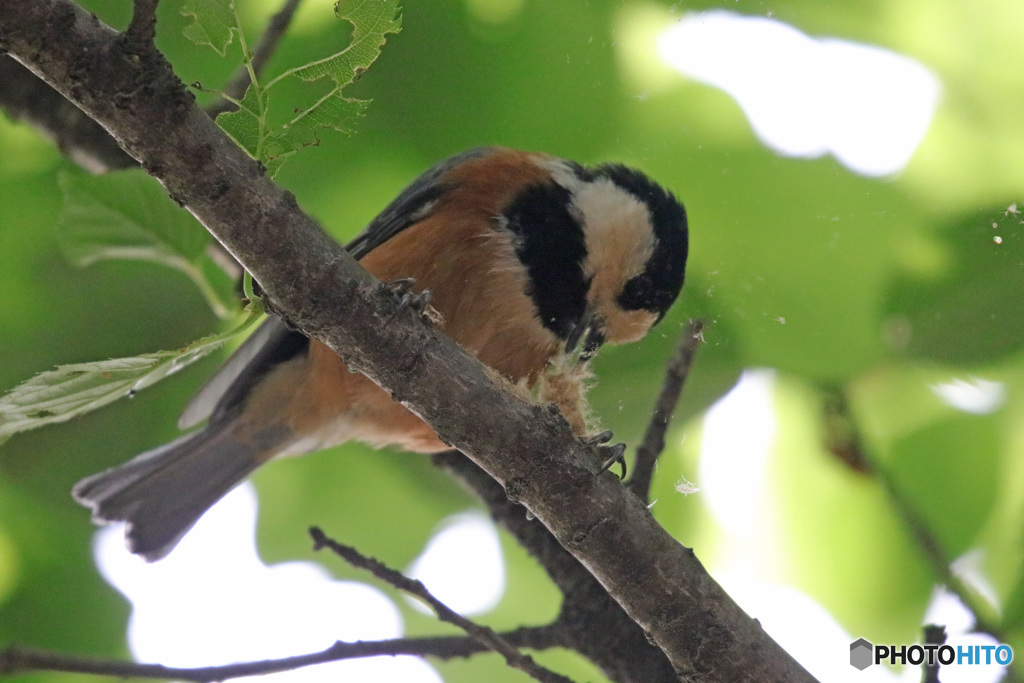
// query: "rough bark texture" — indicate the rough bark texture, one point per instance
point(131, 91)
point(589, 621)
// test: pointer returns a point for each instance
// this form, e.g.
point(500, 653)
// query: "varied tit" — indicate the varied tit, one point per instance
point(527, 258)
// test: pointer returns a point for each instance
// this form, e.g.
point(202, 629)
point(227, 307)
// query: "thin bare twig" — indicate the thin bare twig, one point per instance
point(16, 659)
point(842, 437)
point(265, 49)
point(936, 556)
point(654, 438)
point(488, 637)
point(934, 553)
point(933, 635)
point(142, 29)
point(861, 459)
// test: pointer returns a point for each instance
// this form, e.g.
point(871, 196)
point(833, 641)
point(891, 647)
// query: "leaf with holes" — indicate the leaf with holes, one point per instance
point(212, 23)
point(372, 20)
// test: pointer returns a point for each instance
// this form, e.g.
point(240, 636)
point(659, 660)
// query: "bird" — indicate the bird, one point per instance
point(531, 262)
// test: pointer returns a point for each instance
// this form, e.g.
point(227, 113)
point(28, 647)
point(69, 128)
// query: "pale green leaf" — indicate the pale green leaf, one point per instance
point(212, 23)
point(128, 215)
point(72, 390)
point(1013, 616)
point(128, 211)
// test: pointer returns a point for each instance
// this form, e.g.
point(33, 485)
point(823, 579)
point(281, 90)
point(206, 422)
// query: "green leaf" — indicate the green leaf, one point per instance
point(1013, 616)
point(334, 111)
point(128, 215)
point(72, 390)
point(970, 310)
point(213, 22)
point(871, 565)
point(372, 21)
point(930, 469)
point(246, 124)
point(123, 213)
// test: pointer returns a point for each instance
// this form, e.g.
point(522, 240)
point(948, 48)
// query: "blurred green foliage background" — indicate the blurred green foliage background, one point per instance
point(878, 288)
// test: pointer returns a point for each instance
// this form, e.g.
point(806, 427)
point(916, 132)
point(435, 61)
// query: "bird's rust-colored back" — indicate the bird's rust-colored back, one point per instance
point(472, 271)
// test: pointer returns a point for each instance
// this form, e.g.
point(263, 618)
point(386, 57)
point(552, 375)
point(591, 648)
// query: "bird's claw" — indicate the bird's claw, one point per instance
point(614, 454)
point(401, 285)
point(609, 454)
point(599, 438)
point(407, 299)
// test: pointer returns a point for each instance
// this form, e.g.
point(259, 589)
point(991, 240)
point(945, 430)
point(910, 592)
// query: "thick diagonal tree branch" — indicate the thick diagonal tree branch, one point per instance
point(312, 281)
point(589, 621)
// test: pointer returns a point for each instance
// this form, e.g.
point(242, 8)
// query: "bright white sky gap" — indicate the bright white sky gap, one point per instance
point(806, 97)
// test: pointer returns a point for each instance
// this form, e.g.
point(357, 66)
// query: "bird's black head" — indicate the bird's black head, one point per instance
point(605, 248)
point(656, 288)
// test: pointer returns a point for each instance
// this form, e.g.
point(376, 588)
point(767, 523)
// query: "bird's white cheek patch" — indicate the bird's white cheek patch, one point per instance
point(619, 237)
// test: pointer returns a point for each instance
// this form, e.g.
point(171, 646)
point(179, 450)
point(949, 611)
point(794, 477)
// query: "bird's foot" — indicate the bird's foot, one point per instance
point(610, 455)
point(409, 300)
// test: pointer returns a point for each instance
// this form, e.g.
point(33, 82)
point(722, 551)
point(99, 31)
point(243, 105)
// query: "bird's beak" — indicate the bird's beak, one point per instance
point(589, 328)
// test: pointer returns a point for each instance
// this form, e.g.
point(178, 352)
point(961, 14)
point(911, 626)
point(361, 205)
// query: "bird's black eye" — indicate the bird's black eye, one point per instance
point(637, 294)
point(642, 293)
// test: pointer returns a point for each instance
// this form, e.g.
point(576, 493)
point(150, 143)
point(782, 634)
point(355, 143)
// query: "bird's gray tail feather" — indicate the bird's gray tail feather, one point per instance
point(163, 492)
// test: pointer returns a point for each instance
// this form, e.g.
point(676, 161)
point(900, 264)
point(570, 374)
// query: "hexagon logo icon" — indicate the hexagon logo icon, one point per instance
point(861, 652)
